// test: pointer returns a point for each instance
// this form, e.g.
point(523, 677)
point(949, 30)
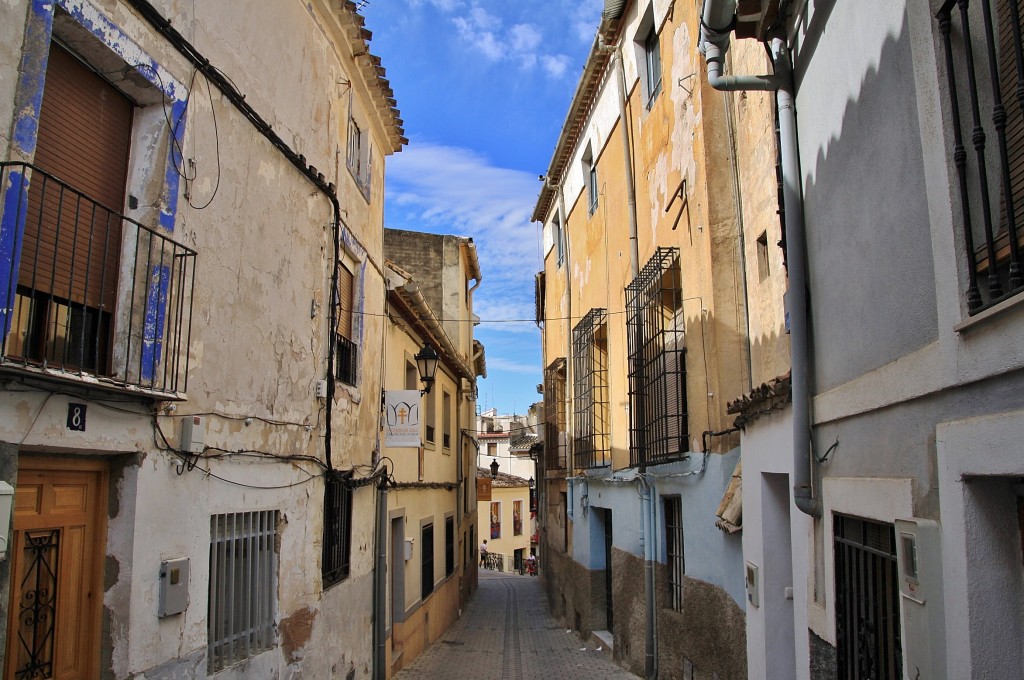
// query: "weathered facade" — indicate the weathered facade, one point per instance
point(191, 249)
point(503, 505)
point(881, 477)
point(645, 331)
point(432, 522)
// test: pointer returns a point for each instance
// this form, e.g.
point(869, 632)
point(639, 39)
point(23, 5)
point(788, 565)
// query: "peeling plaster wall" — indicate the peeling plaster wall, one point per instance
point(257, 337)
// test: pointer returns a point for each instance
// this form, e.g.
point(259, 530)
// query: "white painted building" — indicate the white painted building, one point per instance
point(888, 544)
point(191, 301)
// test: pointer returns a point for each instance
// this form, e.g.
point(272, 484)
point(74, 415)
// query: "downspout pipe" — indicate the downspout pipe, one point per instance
point(717, 22)
point(163, 26)
point(380, 582)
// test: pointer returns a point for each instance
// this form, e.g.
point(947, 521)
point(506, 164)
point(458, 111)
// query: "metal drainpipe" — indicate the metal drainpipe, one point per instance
point(646, 501)
point(380, 583)
point(716, 26)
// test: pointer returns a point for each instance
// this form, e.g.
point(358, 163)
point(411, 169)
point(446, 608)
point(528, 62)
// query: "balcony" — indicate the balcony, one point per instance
point(984, 64)
point(87, 294)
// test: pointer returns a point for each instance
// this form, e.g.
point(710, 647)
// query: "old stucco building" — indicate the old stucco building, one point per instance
point(645, 337)
point(192, 294)
point(432, 519)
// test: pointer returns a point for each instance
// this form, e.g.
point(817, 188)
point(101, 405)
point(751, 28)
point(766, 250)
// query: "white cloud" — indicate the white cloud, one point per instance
point(525, 37)
point(501, 364)
point(585, 19)
point(555, 65)
point(446, 189)
point(521, 43)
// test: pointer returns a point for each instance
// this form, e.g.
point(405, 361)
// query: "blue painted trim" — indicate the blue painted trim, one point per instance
point(153, 321)
point(28, 98)
point(12, 226)
point(172, 178)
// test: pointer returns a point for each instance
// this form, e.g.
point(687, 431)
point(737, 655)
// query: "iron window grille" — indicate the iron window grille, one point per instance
point(984, 63)
point(554, 415)
point(87, 291)
point(427, 561)
point(345, 360)
point(657, 361)
point(591, 447)
point(674, 551)
point(337, 543)
point(868, 637)
point(449, 546)
point(243, 581)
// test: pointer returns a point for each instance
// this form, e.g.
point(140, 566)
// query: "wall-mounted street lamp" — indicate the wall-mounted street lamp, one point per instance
point(426, 364)
point(494, 468)
point(531, 483)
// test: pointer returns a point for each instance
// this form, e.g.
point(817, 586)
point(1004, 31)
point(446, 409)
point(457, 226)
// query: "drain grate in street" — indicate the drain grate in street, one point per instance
point(454, 643)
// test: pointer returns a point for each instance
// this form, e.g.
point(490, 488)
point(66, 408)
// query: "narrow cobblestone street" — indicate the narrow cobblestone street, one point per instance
point(507, 633)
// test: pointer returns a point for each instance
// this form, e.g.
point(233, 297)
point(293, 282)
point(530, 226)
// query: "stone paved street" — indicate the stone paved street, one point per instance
point(507, 633)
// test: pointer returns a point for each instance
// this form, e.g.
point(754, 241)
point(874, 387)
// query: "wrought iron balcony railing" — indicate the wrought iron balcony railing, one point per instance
point(87, 293)
point(984, 64)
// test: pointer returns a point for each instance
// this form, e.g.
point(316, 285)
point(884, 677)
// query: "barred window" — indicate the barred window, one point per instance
point(674, 551)
point(554, 415)
point(243, 583)
point(337, 544)
point(591, 446)
point(657, 361)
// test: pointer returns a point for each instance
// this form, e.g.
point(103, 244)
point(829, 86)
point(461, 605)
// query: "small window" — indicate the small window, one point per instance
point(345, 351)
point(243, 587)
point(337, 542)
point(360, 157)
point(559, 236)
point(449, 546)
point(590, 179)
point(446, 422)
point(674, 551)
point(763, 267)
point(652, 62)
point(427, 560)
point(492, 450)
point(428, 417)
point(648, 56)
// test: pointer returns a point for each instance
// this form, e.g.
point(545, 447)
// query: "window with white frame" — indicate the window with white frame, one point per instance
point(446, 420)
point(359, 158)
point(243, 586)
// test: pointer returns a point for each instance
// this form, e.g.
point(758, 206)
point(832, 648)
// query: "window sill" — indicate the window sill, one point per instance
point(981, 318)
point(363, 186)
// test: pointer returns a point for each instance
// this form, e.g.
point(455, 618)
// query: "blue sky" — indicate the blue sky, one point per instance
point(483, 87)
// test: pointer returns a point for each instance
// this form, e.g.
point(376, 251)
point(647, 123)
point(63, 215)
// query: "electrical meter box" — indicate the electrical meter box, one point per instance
point(753, 587)
point(919, 570)
point(193, 434)
point(173, 587)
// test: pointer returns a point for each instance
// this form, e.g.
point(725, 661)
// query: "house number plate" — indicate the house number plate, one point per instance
point(76, 417)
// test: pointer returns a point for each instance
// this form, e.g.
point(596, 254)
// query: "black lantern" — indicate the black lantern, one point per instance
point(426, 364)
point(531, 483)
point(494, 468)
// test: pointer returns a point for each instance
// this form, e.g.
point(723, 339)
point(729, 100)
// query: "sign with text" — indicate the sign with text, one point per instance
point(402, 418)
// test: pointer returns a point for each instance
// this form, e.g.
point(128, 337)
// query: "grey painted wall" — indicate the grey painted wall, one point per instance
point(868, 232)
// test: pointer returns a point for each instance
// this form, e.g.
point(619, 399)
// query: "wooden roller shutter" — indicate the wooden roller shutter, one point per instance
point(73, 237)
point(345, 286)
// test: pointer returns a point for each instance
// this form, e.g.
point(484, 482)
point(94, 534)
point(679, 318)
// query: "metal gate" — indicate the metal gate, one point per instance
point(867, 601)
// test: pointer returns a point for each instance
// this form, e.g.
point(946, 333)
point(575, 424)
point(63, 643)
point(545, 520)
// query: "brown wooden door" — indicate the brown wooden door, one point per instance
point(56, 553)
